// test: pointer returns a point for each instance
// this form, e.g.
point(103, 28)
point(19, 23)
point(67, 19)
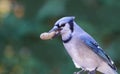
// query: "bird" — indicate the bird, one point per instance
point(83, 49)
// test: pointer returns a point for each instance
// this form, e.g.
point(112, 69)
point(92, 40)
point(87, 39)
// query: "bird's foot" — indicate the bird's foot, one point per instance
point(79, 72)
point(92, 72)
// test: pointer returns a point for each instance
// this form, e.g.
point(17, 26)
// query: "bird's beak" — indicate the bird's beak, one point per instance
point(56, 30)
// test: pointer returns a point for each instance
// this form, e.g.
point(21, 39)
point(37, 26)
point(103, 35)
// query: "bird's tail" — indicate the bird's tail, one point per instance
point(106, 69)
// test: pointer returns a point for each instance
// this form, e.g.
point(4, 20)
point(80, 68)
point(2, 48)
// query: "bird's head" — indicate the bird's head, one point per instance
point(64, 26)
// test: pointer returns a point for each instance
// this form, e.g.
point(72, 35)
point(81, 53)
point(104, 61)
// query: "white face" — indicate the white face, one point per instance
point(63, 26)
point(65, 29)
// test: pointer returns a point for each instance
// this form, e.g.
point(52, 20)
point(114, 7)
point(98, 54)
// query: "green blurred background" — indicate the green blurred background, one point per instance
point(22, 22)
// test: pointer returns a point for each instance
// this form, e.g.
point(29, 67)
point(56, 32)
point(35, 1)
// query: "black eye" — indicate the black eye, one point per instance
point(62, 25)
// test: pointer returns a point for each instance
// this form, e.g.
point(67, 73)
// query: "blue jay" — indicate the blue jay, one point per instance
point(82, 48)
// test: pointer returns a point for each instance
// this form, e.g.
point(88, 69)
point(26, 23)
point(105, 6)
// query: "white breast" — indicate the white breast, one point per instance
point(82, 56)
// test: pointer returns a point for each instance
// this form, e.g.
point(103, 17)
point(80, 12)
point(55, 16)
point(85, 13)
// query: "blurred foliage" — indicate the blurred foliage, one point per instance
point(22, 21)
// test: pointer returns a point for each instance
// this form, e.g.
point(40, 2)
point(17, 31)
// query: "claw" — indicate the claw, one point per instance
point(92, 72)
point(79, 72)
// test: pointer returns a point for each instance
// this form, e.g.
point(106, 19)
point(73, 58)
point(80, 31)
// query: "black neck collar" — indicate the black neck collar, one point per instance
point(68, 39)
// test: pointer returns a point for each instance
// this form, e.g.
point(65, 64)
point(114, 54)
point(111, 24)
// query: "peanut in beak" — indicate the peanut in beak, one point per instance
point(47, 35)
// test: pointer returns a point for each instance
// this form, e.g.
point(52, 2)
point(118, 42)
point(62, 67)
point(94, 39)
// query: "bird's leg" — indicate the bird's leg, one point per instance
point(79, 72)
point(92, 72)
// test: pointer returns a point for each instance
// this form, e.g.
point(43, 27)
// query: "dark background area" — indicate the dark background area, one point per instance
point(22, 22)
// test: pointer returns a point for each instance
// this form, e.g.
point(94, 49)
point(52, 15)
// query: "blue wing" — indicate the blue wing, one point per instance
point(91, 43)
